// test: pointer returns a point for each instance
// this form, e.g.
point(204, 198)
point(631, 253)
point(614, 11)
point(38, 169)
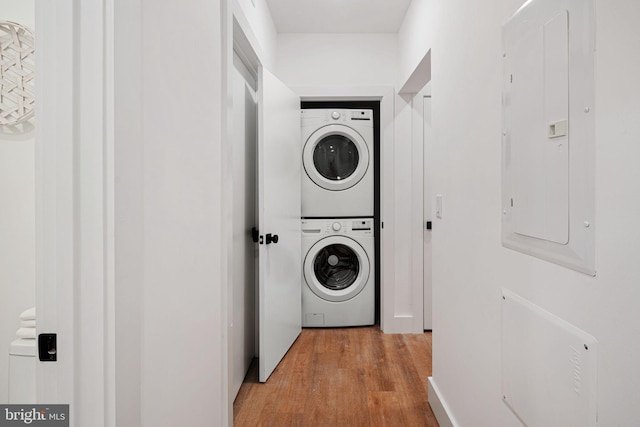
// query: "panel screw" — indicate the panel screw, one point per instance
point(587, 109)
point(586, 347)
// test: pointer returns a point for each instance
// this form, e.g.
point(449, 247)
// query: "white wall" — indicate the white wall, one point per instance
point(170, 300)
point(336, 59)
point(182, 305)
point(17, 214)
point(469, 264)
point(415, 38)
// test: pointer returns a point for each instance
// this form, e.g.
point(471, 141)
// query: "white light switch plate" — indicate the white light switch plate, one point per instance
point(439, 206)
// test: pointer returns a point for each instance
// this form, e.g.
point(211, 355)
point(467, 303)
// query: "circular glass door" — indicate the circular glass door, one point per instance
point(336, 268)
point(335, 157)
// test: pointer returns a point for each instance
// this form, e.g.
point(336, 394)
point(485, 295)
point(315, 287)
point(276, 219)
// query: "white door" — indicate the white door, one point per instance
point(428, 164)
point(280, 259)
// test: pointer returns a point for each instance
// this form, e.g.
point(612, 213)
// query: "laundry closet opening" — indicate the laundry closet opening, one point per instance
point(357, 110)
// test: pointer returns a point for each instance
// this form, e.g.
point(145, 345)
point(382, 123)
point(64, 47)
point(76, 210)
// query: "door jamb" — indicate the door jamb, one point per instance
point(384, 94)
point(240, 39)
point(74, 205)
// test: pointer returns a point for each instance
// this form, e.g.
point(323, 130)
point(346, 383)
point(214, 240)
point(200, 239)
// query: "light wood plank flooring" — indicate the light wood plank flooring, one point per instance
point(343, 377)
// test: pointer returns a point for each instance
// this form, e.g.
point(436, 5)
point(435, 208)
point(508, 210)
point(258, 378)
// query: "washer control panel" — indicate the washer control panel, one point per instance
point(361, 117)
point(361, 227)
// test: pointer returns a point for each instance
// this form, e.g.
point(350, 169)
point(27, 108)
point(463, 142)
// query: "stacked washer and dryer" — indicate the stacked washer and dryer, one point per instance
point(338, 241)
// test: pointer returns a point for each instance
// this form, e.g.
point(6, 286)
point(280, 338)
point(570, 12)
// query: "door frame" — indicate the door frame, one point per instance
point(237, 37)
point(74, 205)
point(427, 165)
point(385, 95)
point(421, 266)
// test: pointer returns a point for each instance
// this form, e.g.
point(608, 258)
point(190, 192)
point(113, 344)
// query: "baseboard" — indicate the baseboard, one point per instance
point(439, 406)
point(399, 325)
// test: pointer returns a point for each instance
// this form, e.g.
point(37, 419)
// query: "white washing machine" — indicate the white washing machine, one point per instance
point(338, 283)
point(337, 157)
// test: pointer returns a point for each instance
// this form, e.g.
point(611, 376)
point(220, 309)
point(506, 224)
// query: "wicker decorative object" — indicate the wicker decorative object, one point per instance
point(17, 69)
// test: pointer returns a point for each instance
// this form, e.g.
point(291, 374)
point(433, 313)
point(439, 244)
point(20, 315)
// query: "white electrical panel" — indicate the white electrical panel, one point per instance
point(539, 89)
point(548, 132)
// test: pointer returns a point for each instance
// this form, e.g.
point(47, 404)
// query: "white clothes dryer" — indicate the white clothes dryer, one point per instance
point(338, 283)
point(338, 163)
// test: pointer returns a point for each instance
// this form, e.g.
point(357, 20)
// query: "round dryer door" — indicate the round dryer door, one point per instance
point(335, 157)
point(336, 268)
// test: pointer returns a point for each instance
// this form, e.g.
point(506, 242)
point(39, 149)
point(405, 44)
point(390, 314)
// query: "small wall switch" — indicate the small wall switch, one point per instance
point(439, 206)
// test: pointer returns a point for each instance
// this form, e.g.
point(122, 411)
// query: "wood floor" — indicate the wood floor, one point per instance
point(343, 377)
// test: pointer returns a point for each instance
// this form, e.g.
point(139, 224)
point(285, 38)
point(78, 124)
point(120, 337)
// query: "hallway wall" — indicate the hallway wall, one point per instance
point(470, 266)
point(336, 59)
point(170, 284)
point(415, 38)
point(17, 214)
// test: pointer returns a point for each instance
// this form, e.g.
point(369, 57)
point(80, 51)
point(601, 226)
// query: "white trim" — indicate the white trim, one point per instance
point(109, 213)
point(55, 180)
point(403, 324)
point(126, 36)
point(74, 231)
point(91, 205)
point(236, 37)
point(417, 211)
point(439, 406)
point(427, 143)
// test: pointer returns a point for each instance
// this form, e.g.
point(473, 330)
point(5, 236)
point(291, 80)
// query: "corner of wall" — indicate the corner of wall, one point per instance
point(258, 26)
point(415, 39)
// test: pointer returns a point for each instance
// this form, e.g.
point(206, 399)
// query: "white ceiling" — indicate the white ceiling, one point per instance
point(338, 16)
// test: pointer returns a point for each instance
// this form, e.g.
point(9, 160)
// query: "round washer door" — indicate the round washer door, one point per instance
point(336, 268)
point(335, 157)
